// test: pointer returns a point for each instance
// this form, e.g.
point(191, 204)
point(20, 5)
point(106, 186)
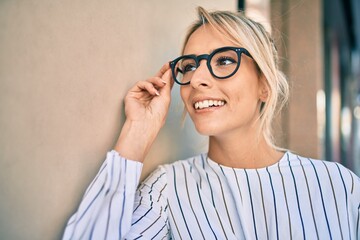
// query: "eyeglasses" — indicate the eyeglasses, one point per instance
point(222, 63)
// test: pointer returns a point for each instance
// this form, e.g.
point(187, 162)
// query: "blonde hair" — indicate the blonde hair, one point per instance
point(251, 35)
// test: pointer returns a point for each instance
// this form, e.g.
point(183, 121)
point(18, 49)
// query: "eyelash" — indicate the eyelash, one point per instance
point(186, 66)
point(224, 58)
point(219, 59)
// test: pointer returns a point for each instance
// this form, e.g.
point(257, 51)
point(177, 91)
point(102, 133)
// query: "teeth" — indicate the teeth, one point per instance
point(208, 103)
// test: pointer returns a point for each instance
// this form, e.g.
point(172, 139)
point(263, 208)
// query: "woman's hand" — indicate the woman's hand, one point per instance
point(146, 107)
point(148, 101)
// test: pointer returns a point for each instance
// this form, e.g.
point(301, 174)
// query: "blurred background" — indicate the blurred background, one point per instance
point(66, 65)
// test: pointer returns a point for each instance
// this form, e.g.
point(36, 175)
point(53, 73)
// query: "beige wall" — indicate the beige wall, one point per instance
point(306, 75)
point(64, 69)
point(297, 26)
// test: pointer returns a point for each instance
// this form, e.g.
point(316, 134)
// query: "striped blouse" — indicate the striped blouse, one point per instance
point(296, 198)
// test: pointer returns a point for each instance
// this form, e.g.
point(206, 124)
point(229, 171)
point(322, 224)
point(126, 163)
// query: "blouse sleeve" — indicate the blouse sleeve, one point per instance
point(106, 210)
point(150, 215)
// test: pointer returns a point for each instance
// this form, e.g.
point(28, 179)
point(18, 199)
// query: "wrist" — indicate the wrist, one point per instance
point(135, 139)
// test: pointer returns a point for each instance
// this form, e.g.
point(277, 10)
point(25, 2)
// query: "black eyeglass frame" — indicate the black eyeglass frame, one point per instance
point(208, 58)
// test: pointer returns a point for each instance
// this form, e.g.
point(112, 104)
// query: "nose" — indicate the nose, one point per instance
point(201, 78)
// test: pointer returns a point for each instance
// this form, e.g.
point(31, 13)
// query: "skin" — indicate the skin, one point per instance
point(232, 128)
point(146, 107)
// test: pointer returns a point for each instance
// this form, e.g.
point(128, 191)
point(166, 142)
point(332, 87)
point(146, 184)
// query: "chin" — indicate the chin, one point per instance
point(207, 129)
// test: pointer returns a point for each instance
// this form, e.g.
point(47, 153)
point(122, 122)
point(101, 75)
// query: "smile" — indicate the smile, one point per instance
point(208, 103)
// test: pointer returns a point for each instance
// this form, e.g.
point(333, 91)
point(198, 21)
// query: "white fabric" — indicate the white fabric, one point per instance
point(296, 198)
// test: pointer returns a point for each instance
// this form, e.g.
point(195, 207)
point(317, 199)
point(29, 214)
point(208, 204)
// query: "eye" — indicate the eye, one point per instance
point(188, 68)
point(225, 60)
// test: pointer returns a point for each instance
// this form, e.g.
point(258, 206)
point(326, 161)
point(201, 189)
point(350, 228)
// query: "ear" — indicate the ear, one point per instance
point(263, 89)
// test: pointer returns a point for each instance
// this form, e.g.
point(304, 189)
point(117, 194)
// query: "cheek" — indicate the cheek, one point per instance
point(184, 93)
point(243, 97)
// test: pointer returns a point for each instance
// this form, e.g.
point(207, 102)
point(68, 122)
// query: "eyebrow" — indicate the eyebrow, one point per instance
point(211, 50)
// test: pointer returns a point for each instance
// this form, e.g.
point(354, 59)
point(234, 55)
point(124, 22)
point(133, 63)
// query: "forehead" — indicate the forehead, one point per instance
point(204, 40)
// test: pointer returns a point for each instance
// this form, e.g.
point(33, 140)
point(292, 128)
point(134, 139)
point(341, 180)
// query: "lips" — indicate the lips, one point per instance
point(208, 104)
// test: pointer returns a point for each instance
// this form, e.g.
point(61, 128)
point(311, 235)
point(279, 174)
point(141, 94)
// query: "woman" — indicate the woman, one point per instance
point(244, 187)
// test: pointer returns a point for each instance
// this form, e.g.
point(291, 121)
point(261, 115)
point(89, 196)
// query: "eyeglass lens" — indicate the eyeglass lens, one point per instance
point(223, 64)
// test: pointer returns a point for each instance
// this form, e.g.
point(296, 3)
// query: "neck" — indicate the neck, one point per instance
point(244, 150)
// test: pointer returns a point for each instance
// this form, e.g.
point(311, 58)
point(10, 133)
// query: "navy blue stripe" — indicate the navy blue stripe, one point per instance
point(151, 207)
point(177, 196)
point(263, 204)
point(286, 201)
point(192, 209)
point(222, 227)
point(157, 219)
point(274, 198)
point(191, 165)
point(335, 199)
point(160, 193)
point(322, 198)
point(172, 215)
point(158, 178)
point(358, 223)
point(251, 201)
point(202, 205)
point(223, 196)
point(167, 234)
point(138, 204)
point(92, 231)
point(93, 182)
point(92, 201)
point(123, 203)
point(200, 178)
point(309, 195)
point(172, 236)
point(140, 236)
point(111, 176)
point(88, 190)
point(96, 196)
point(346, 197)
point(297, 197)
point(198, 171)
point(158, 231)
point(109, 209)
point(222, 170)
point(237, 183)
point(352, 181)
point(141, 197)
point(107, 191)
point(207, 176)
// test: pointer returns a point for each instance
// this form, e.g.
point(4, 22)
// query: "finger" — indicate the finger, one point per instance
point(172, 81)
point(157, 81)
point(163, 70)
point(146, 86)
point(167, 77)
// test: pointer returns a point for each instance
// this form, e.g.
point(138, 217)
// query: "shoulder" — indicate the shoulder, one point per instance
point(165, 171)
point(322, 165)
point(185, 164)
point(328, 173)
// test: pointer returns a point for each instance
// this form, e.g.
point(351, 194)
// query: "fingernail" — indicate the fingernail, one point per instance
point(157, 92)
point(163, 81)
